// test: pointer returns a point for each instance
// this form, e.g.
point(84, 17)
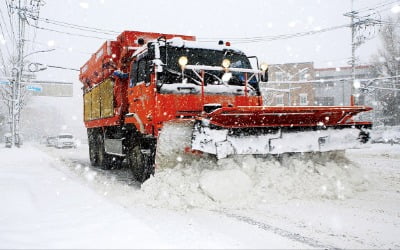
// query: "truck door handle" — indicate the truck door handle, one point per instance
point(136, 99)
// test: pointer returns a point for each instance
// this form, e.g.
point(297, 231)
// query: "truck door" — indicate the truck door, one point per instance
point(139, 94)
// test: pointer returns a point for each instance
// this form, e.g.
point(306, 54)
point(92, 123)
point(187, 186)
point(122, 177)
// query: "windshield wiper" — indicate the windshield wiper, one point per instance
point(215, 76)
point(180, 74)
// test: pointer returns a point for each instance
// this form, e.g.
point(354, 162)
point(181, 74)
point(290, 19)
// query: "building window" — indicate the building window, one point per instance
point(303, 76)
point(325, 101)
point(279, 76)
point(303, 99)
point(279, 100)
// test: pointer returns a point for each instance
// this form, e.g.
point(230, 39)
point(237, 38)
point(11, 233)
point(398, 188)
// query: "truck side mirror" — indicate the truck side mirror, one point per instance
point(264, 76)
point(148, 70)
point(151, 51)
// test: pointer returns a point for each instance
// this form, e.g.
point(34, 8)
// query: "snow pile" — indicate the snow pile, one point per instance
point(235, 185)
point(388, 134)
point(244, 181)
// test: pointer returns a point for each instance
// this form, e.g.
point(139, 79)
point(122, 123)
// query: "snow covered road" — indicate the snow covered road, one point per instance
point(45, 205)
point(52, 198)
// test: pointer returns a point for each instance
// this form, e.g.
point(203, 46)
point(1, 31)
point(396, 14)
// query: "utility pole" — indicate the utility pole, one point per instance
point(21, 42)
point(352, 14)
point(358, 25)
point(13, 99)
point(353, 56)
point(17, 102)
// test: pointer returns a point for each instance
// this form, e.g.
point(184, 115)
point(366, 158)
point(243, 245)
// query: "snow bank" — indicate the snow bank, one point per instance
point(387, 134)
point(245, 181)
point(235, 182)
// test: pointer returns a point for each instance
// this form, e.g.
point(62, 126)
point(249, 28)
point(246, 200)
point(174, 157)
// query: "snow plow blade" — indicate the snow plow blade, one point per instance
point(277, 130)
point(256, 116)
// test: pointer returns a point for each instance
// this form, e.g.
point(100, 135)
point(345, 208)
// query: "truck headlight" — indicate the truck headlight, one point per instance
point(183, 61)
point(226, 63)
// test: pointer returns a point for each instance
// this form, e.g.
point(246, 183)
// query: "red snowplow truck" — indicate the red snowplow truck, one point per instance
point(153, 99)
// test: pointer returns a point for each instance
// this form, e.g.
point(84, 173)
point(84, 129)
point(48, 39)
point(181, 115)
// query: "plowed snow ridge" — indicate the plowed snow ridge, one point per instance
point(238, 182)
point(247, 181)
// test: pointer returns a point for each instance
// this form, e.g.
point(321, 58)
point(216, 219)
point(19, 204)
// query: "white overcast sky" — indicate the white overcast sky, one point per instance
point(204, 19)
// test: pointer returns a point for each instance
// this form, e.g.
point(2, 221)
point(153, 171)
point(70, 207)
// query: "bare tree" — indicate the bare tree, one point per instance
point(6, 95)
point(387, 64)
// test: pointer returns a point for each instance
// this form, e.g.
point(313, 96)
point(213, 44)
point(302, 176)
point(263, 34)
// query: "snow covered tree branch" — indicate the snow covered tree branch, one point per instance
point(386, 63)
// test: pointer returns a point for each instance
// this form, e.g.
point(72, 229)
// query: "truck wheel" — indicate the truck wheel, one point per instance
point(139, 161)
point(93, 149)
point(104, 159)
point(93, 155)
point(114, 162)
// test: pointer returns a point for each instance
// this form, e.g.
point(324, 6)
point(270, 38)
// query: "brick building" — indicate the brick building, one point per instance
point(288, 85)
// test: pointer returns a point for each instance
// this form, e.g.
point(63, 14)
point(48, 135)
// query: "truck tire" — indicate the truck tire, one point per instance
point(104, 159)
point(93, 155)
point(139, 162)
point(93, 148)
point(114, 162)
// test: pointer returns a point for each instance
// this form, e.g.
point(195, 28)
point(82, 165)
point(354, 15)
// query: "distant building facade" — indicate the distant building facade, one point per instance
point(288, 85)
point(300, 84)
point(334, 85)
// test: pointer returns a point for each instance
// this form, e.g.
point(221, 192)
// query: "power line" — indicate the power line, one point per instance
point(69, 33)
point(4, 28)
point(335, 80)
point(385, 9)
point(10, 19)
point(274, 38)
point(237, 40)
point(62, 48)
point(382, 22)
point(3, 62)
point(78, 27)
point(204, 39)
point(60, 67)
point(4, 37)
point(376, 7)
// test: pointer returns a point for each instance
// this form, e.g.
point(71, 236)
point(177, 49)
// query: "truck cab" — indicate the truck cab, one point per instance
point(173, 79)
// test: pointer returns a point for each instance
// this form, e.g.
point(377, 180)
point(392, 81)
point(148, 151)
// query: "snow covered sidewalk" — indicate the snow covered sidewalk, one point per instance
point(43, 208)
point(46, 206)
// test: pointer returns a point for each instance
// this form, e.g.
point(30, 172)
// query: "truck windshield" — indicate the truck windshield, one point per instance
point(208, 57)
